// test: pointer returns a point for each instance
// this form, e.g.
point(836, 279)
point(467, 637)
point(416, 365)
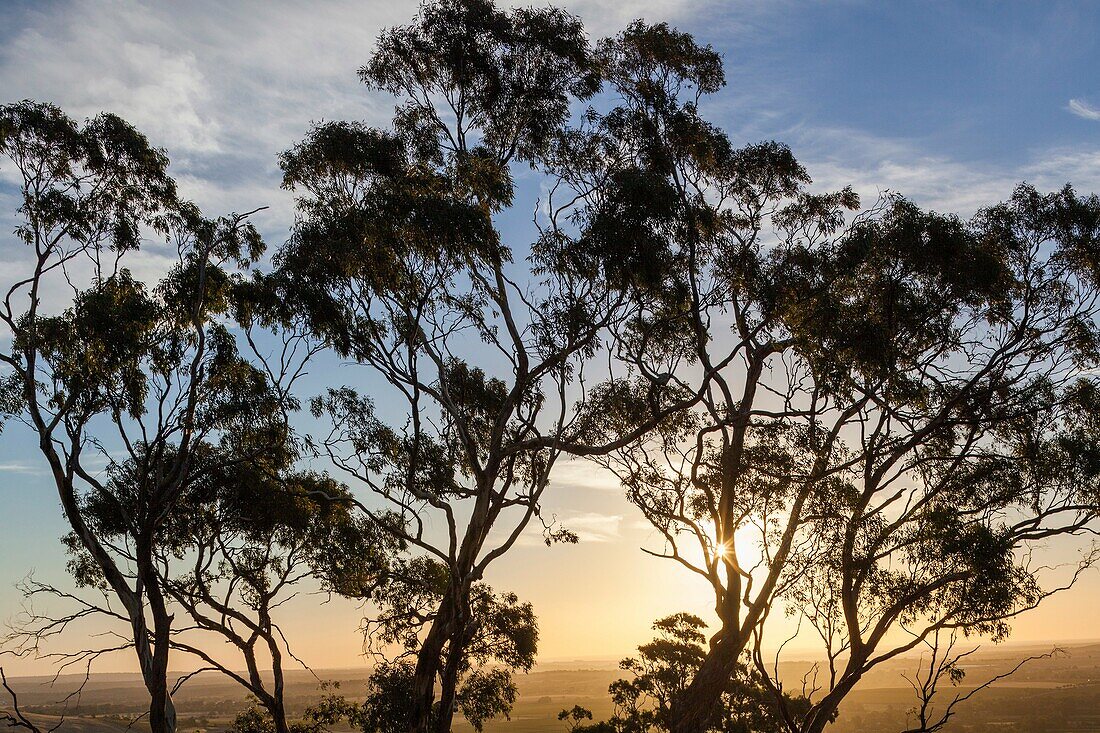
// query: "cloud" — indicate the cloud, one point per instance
point(1081, 108)
point(584, 475)
point(20, 467)
point(590, 527)
point(223, 87)
point(604, 17)
point(593, 526)
point(226, 87)
point(1058, 166)
point(872, 164)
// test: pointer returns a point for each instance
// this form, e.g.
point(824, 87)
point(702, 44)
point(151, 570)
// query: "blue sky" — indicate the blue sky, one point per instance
point(948, 103)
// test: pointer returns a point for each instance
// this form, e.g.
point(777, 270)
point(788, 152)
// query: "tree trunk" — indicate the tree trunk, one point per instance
point(825, 711)
point(278, 716)
point(278, 706)
point(694, 710)
point(449, 627)
point(428, 662)
point(162, 711)
point(154, 671)
point(448, 682)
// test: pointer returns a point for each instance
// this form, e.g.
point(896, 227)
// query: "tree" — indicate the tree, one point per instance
point(255, 532)
point(320, 717)
point(504, 640)
point(148, 380)
point(975, 446)
point(396, 262)
point(15, 717)
point(945, 665)
point(896, 406)
point(661, 672)
point(502, 637)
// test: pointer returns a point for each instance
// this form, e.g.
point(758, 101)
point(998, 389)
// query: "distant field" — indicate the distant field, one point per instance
point(1047, 696)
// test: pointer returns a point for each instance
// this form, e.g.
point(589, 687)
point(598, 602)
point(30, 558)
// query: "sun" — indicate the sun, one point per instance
point(744, 547)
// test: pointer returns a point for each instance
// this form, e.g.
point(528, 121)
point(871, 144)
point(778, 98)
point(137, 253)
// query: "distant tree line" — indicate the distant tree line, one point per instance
point(865, 416)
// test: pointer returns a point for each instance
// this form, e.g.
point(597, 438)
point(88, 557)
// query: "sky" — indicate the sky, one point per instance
point(950, 104)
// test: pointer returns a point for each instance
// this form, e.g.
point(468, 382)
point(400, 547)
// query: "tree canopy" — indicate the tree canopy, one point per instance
point(867, 416)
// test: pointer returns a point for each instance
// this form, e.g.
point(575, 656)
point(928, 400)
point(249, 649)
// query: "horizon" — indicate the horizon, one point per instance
point(612, 663)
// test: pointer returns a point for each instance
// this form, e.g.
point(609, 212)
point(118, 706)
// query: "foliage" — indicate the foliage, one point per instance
point(501, 638)
point(330, 710)
point(662, 671)
point(883, 395)
point(870, 420)
point(134, 392)
point(397, 263)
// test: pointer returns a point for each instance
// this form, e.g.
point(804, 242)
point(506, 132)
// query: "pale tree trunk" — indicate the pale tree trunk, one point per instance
point(278, 707)
point(162, 712)
point(461, 629)
point(448, 683)
point(154, 672)
point(449, 628)
point(427, 668)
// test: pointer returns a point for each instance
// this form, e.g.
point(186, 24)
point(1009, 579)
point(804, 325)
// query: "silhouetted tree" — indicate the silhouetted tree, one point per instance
point(255, 533)
point(149, 381)
point(501, 638)
point(331, 710)
point(397, 263)
point(660, 673)
point(895, 408)
point(945, 665)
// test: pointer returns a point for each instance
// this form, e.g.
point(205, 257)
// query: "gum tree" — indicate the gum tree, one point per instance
point(503, 642)
point(398, 264)
point(258, 533)
point(896, 406)
point(661, 671)
point(128, 387)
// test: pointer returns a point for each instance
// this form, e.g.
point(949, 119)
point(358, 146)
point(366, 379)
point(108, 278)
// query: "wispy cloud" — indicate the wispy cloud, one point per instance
point(840, 156)
point(226, 87)
point(584, 476)
point(19, 467)
point(1081, 108)
point(602, 17)
point(594, 527)
point(590, 527)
